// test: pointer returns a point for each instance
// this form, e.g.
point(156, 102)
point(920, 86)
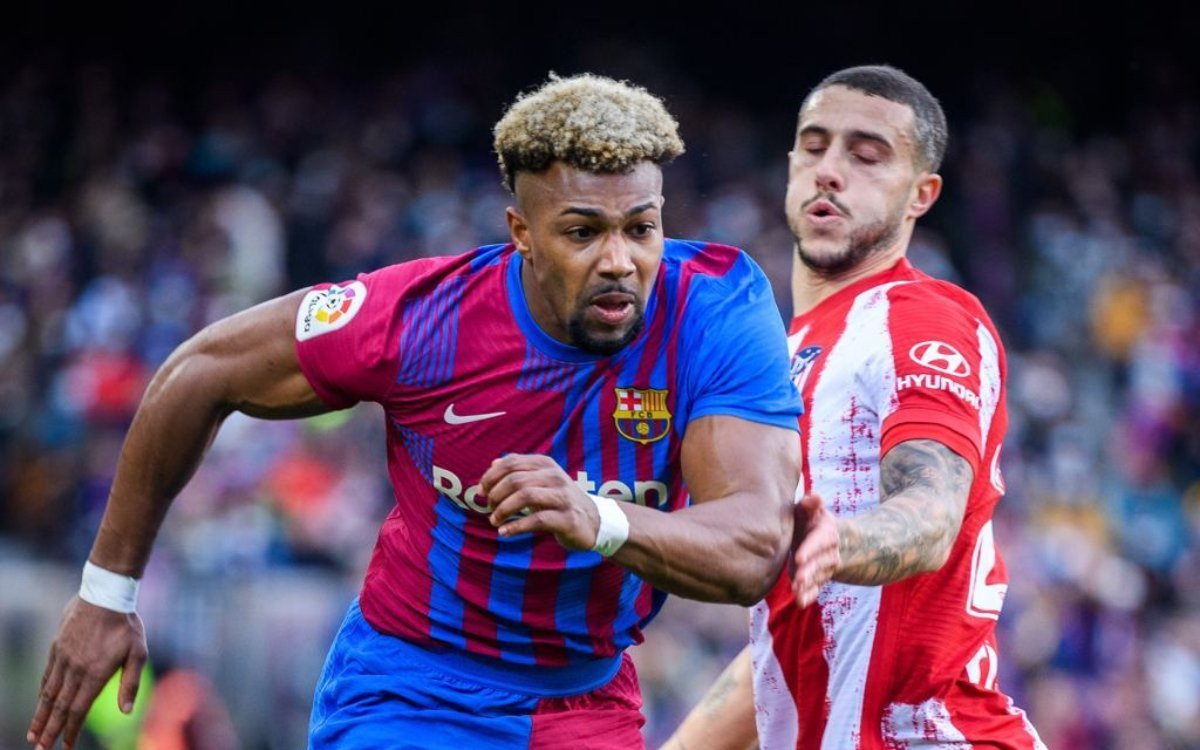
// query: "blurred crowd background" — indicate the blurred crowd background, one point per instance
point(145, 194)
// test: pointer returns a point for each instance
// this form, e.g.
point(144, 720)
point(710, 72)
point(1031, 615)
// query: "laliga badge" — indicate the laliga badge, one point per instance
point(325, 310)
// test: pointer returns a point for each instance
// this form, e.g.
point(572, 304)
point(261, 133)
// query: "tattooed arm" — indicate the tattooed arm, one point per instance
point(923, 495)
point(924, 487)
point(724, 717)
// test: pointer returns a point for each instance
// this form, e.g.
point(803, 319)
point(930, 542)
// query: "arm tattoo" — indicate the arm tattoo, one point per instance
point(923, 495)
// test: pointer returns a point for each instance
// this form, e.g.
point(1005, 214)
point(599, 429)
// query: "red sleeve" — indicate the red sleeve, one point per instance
point(346, 336)
point(947, 367)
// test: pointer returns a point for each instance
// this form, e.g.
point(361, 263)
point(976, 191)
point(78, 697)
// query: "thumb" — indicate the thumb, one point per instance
point(811, 503)
point(131, 678)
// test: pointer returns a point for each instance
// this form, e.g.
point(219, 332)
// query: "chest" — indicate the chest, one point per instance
point(613, 424)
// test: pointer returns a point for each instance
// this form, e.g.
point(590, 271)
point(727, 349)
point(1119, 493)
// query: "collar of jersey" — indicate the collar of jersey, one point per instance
point(898, 271)
point(549, 345)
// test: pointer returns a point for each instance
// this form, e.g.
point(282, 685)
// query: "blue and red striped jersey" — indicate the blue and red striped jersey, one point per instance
point(450, 350)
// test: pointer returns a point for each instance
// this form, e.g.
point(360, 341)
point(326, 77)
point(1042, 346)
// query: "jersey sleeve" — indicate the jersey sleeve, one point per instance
point(736, 349)
point(345, 336)
point(948, 369)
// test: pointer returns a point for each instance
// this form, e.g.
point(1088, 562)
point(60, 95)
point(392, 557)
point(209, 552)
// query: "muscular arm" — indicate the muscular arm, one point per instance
point(924, 487)
point(923, 495)
point(732, 543)
point(244, 363)
point(728, 547)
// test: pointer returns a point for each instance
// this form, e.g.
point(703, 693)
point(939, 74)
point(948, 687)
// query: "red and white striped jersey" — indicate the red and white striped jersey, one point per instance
point(894, 357)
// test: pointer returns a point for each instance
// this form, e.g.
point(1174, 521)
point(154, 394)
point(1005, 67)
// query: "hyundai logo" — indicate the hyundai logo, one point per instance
point(941, 357)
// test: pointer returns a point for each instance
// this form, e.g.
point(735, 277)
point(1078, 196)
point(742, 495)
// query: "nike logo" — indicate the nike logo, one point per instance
point(452, 418)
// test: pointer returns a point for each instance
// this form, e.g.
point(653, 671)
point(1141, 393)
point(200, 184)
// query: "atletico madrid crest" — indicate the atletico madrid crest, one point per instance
point(641, 414)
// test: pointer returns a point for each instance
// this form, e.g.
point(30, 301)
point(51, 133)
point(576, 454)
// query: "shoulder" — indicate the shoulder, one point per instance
point(416, 277)
point(927, 300)
point(709, 268)
point(707, 258)
point(931, 319)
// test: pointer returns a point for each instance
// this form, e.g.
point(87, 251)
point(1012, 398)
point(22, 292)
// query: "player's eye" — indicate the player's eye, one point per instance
point(581, 233)
point(813, 146)
point(644, 229)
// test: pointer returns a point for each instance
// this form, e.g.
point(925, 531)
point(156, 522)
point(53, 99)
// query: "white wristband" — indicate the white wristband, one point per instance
point(614, 526)
point(107, 589)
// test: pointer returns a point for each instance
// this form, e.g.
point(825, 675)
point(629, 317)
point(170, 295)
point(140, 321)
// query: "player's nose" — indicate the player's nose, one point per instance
point(828, 172)
point(616, 256)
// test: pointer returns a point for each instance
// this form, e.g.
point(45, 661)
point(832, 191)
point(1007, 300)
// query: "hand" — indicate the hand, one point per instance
point(538, 487)
point(92, 643)
point(816, 557)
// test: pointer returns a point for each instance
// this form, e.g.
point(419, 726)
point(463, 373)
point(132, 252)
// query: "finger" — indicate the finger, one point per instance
point(52, 680)
point(545, 473)
point(523, 501)
point(131, 678)
point(808, 582)
point(814, 571)
point(51, 661)
point(822, 562)
point(60, 709)
point(509, 485)
point(810, 503)
point(806, 552)
point(799, 593)
point(89, 688)
point(505, 465)
point(533, 523)
point(807, 596)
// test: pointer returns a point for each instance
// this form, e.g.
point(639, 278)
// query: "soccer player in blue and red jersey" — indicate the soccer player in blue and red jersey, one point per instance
point(579, 422)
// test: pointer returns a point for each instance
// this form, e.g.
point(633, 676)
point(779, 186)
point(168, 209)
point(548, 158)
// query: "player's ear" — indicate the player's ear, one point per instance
point(926, 189)
point(518, 229)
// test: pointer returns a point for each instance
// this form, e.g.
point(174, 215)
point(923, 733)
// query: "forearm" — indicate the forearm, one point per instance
point(924, 494)
point(891, 542)
point(728, 550)
point(244, 363)
point(724, 718)
point(731, 544)
point(175, 423)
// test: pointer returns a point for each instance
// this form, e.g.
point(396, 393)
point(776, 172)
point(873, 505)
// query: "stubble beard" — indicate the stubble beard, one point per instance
point(583, 339)
point(862, 243)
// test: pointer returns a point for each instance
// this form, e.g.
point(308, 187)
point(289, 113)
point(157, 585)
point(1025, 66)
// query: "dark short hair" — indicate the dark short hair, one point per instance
point(893, 84)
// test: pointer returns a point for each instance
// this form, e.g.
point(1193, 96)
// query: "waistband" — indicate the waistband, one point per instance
point(534, 679)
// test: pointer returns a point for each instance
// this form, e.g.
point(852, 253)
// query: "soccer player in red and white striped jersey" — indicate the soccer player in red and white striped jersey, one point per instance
point(902, 378)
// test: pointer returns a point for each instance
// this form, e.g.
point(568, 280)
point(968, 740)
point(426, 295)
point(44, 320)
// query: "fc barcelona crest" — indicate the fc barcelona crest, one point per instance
point(641, 414)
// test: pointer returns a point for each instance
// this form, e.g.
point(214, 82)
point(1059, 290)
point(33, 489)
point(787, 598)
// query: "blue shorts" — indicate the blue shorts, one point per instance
point(378, 691)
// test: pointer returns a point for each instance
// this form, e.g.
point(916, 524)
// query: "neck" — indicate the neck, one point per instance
point(811, 287)
point(539, 306)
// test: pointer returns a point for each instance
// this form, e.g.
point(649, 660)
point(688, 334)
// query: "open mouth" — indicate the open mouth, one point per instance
point(824, 209)
point(823, 214)
point(612, 308)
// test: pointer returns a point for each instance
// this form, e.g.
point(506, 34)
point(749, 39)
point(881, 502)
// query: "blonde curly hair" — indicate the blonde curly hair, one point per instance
point(587, 121)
